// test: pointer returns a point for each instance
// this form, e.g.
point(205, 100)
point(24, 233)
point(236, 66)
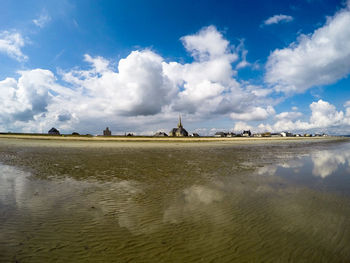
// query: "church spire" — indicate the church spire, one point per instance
point(179, 125)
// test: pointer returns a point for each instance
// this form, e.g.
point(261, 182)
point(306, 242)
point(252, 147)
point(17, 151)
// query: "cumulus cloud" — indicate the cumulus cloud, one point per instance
point(207, 44)
point(23, 99)
point(34, 101)
point(145, 90)
point(258, 90)
point(138, 88)
point(241, 126)
point(208, 85)
point(324, 116)
point(254, 114)
point(142, 85)
point(278, 19)
point(11, 44)
point(146, 85)
point(204, 82)
point(288, 115)
point(320, 58)
point(99, 64)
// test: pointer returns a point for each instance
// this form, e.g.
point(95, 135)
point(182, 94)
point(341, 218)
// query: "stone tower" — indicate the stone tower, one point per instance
point(179, 125)
point(179, 131)
point(107, 132)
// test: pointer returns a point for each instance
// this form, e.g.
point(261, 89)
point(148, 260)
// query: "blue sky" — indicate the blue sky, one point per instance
point(136, 65)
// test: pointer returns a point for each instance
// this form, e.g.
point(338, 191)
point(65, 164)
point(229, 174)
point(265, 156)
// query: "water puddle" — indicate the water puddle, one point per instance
point(327, 170)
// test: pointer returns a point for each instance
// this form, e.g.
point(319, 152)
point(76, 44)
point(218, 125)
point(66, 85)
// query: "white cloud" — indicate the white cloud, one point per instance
point(145, 84)
point(35, 101)
point(243, 54)
point(139, 87)
point(258, 90)
point(288, 115)
point(324, 116)
point(99, 64)
point(204, 82)
point(42, 20)
point(143, 91)
point(207, 44)
point(278, 19)
point(320, 58)
point(254, 114)
point(11, 44)
point(241, 126)
point(208, 85)
point(264, 128)
point(23, 99)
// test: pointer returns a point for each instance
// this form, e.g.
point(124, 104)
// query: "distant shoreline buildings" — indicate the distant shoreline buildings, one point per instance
point(180, 131)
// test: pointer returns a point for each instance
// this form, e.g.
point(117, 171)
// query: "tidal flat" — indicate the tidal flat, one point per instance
point(219, 201)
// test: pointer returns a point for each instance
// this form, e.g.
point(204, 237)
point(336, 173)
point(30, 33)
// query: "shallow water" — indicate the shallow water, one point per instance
point(212, 202)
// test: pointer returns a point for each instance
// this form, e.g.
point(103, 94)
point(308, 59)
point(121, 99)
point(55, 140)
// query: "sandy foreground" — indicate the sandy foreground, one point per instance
point(137, 199)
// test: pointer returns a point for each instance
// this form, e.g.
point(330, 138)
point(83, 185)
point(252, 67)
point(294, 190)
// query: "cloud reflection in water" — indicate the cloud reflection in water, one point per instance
point(324, 163)
point(328, 162)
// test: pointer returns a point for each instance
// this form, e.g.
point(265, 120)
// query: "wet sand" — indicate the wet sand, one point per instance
point(219, 201)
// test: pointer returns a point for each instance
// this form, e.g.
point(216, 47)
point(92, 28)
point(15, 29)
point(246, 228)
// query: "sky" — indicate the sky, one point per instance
point(135, 66)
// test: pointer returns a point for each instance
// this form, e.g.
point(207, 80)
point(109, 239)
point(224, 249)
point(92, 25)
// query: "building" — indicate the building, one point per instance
point(179, 131)
point(54, 131)
point(160, 134)
point(286, 134)
point(246, 133)
point(266, 134)
point(107, 132)
point(220, 134)
point(225, 134)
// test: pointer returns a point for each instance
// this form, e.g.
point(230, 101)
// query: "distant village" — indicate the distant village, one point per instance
point(180, 131)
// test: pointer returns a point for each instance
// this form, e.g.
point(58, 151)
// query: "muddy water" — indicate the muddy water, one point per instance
point(174, 202)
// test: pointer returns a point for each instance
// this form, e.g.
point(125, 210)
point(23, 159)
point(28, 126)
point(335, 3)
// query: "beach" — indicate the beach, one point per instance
point(160, 139)
point(226, 200)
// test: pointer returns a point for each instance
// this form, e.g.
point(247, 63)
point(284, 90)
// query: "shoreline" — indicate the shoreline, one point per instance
point(71, 138)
